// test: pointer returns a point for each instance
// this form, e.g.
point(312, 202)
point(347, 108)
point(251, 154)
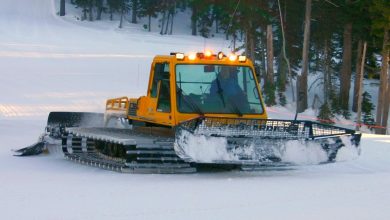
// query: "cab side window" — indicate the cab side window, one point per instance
point(164, 97)
point(161, 72)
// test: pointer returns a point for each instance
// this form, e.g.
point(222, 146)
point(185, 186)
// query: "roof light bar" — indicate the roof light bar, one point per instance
point(192, 56)
point(241, 58)
point(209, 54)
point(220, 55)
point(232, 57)
point(180, 56)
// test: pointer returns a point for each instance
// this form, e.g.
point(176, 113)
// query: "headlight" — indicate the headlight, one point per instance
point(241, 58)
point(192, 56)
point(180, 56)
point(232, 57)
point(220, 56)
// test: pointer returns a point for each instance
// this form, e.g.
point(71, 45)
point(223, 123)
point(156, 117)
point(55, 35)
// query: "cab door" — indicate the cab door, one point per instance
point(159, 108)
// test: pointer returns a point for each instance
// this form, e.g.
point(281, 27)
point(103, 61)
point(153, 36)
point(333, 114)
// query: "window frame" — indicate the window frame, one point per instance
point(257, 86)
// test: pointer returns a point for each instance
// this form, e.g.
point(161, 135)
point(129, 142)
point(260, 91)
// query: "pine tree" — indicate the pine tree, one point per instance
point(100, 9)
point(269, 93)
point(148, 8)
point(325, 115)
point(86, 6)
point(282, 99)
point(134, 10)
point(113, 6)
point(367, 108)
point(204, 21)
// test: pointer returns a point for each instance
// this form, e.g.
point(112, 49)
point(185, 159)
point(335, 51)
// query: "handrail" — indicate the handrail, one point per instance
point(121, 103)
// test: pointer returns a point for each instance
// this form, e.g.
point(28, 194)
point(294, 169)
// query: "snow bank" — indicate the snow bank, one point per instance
point(348, 152)
point(201, 148)
point(299, 153)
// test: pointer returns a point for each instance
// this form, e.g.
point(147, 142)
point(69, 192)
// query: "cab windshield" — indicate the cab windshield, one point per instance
point(216, 89)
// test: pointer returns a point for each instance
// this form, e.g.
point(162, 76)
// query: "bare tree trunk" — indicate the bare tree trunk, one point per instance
point(327, 73)
point(90, 12)
point(84, 17)
point(387, 99)
point(284, 53)
point(383, 83)
point(251, 41)
point(62, 8)
point(345, 79)
point(269, 88)
point(302, 79)
point(134, 9)
point(263, 59)
point(167, 25)
point(360, 82)
point(163, 22)
point(173, 15)
point(270, 57)
point(252, 46)
point(216, 25)
point(193, 20)
point(234, 43)
point(121, 20)
point(281, 77)
point(357, 88)
point(247, 42)
point(99, 5)
point(99, 13)
point(149, 21)
point(262, 72)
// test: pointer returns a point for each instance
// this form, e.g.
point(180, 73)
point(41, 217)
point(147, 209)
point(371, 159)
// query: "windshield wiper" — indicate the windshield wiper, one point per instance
point(190, 102)
point(235, 108)
point(220, 92)
point(233, 105)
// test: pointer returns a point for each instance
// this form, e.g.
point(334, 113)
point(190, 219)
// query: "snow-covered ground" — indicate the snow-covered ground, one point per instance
point(50, 187)
point(50, 63)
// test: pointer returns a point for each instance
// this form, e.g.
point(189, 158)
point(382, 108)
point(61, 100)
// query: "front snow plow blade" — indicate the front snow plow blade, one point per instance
point(34, 149)
point(58, 121)
point(260, 141)
point(55, 128)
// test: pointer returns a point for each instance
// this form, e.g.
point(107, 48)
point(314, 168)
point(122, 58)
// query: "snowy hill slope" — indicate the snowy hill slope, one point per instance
point(53, 64)
point(49, 63)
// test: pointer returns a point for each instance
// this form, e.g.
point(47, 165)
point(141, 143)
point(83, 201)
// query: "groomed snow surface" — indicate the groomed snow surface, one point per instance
point(50, 63)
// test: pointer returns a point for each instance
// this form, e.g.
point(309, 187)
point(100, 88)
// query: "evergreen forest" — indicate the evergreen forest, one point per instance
point(342, 42)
